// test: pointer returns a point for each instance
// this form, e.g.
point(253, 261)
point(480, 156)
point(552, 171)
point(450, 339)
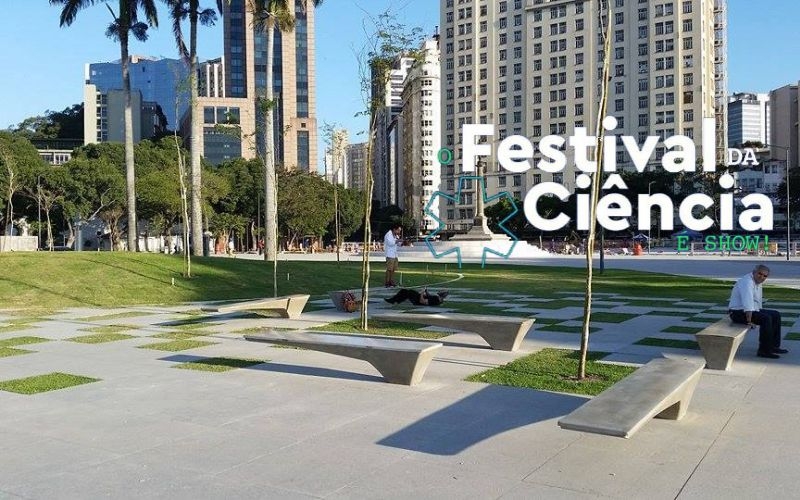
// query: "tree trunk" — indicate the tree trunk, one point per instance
point(197, 131)
point(270, 188)
point(365, 269)
point(597, 180)
point(130, 168)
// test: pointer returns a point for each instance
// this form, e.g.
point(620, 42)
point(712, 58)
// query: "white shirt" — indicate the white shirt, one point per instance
point(746, 294)
point(390, 245)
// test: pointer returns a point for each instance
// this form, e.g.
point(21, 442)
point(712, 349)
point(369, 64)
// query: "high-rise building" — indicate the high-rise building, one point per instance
point(104, 116)
point(386, 168)
point(421, 139)
point(784, 131)
point(533, 68)
point(356, 165)
point(748, 118)
point(159, 80)
point(294, 114)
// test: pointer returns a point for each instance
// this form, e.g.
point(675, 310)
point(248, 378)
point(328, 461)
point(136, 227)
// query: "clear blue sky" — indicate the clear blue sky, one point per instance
point(43, 64)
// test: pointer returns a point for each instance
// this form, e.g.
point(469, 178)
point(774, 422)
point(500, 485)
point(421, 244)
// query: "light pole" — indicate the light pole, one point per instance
point(650, 223)
point(788, 204)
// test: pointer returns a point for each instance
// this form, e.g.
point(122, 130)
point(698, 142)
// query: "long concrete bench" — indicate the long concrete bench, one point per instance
point(662, 388)
point(289, 306)
point(719, 343)
point(399, 361)
point(503, 333)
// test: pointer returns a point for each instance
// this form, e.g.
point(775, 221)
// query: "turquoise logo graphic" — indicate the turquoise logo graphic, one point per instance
point(481, 182)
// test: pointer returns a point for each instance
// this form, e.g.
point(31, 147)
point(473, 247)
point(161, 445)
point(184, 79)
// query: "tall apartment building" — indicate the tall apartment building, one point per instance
point(357, 165)
point(421, 135)
point(386, 150)
point(533, 68)
point(784, 130)
point(104, 116)
point(295, 122)
point(336, 166)
point(159, 80)
point(748, 118)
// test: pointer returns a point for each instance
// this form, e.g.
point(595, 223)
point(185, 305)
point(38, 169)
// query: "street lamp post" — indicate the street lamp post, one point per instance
point(650, 223)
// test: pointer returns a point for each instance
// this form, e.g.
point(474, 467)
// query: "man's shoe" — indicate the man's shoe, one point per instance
point(780, 351)
point(767, 355)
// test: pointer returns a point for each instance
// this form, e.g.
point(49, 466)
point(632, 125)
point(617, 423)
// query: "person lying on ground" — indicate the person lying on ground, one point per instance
point(417, 298)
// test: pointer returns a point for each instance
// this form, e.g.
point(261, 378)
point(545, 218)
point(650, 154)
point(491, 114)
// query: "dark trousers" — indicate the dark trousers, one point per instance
point(405, 293)
point(769, 327)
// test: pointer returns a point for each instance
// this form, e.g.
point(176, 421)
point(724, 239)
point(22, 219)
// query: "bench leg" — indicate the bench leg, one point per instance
point(401, 368)
point(719, 351)
point(294, 307)
point(679, 403)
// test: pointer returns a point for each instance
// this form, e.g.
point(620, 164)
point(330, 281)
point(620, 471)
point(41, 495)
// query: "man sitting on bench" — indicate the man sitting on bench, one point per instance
point(745, 308)
point(418, 299)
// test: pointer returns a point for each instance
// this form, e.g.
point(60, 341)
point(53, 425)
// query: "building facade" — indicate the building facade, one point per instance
point(356, 165)
point(336, 165)
point(784, 131)
point(294, 114)
point(158, 80)
point(534, 67)
point(104, 116)
point(421, 136)
point(748, 118)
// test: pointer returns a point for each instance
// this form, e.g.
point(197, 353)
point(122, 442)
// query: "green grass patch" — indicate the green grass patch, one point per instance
point(100, 338)
point(556, 370)
point(122, 315)
point(667, 313)
point(219, 364)
point(8, 351)
point(259, 329)
point(792, 336)
point(555, 304)
point(15, 341)
point(176, 345)
point(44, 383)
point(679, 344)
point(682, 329)
point(478, 308)
point(565, 328)
point(106, 329)
point(609, 317)
point(378, 327)
point(15, 325)
point(178, 335)
point(641, 303)
point(787, 322)
point(50, 281)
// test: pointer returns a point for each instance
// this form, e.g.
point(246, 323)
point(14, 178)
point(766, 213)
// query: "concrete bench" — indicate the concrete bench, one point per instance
point(719, 343)
point(503, 333)
point(399, 361)
point(662, 388)
point(289, 306)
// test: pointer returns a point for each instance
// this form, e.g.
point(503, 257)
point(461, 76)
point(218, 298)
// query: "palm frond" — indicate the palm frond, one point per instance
point(149, 8)
point(207, 17)
point(139, 31)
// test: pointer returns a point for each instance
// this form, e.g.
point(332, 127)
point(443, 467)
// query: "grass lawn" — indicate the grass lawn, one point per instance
point(609, 317)
point(15, 341)
point(176, 345)
point(179, 335)
point(44, 383)
point(219, 364)
point(107, 329)
point(792, 336)
point(9, 351)
point(675, 314)
point(45, 281)
point(683, 329)
point(100, 338)
point(556, 370)
point(387, 328)
point(565, 328)
point(679, 344)
point(122, 315)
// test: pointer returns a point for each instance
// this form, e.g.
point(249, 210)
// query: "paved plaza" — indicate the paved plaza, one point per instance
point(304, 424)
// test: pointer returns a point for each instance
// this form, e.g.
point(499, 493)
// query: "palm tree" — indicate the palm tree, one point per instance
point(124, 22)
point(269, 15)
point(179, 11)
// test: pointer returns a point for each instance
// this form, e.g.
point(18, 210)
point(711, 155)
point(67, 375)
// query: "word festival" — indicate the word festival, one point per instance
point(614, 210)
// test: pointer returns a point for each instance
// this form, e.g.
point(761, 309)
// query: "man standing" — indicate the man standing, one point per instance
point(745, 308)
point(390, 247)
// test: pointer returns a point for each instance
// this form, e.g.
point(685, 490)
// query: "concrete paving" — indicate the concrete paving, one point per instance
point(305, 424)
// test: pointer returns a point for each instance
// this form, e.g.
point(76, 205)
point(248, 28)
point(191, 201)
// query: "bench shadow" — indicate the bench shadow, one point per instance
point(269, 366)
point(480, 416)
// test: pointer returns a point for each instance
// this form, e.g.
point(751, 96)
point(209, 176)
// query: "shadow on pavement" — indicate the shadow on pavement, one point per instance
point(486, 413)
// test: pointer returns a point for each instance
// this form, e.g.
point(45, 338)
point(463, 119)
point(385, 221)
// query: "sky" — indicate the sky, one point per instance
point(42, 64)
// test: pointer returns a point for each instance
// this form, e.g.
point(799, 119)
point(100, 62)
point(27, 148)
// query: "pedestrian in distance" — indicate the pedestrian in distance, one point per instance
point(390, 242)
